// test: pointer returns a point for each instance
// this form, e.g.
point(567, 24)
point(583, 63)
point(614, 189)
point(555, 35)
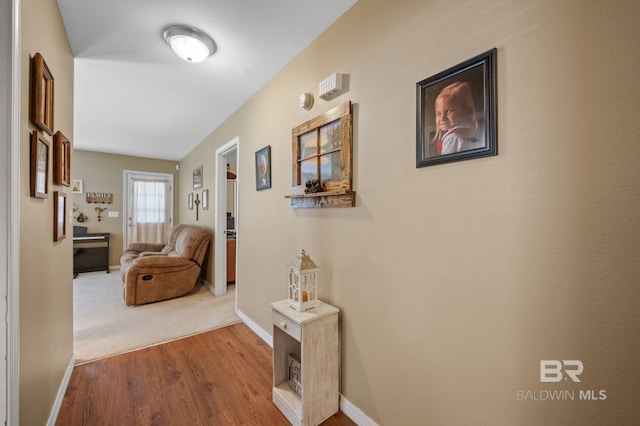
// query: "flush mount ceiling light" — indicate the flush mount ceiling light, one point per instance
point(189, 43)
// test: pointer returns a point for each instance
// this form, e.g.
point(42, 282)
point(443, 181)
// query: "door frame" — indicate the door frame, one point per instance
point(220, 240)
point(10, 81)
point(125, 199)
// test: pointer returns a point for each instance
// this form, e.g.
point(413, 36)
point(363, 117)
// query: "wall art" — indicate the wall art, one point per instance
point(197, 178)
point(61, 159)
point(39, 165)
point(59, 215)
point(263, 168)
point(456, 113)
point(41, 94)
point(76, 186)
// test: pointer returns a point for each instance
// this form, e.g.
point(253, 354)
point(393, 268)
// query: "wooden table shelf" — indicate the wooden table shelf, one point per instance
point(312, 336)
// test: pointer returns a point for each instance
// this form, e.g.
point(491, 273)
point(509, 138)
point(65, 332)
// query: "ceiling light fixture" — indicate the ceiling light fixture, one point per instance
point(189, 43)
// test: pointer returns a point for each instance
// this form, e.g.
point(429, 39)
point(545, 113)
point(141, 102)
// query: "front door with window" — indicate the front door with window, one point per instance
point(149, 207)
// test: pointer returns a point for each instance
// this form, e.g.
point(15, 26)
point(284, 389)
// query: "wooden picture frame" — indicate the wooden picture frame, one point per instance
point(456, 114)
point(61, 159)
point(322, 150)
point(41, 94)
point(263, 168)
point(197, 178)
point(39, 165)
point(59, 215)
point(77, 186)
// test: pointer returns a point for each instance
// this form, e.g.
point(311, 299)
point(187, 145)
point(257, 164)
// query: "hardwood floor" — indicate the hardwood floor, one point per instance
point(221, 377)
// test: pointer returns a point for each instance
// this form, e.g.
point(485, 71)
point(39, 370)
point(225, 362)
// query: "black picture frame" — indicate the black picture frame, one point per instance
point(469, 89)
point(263, 168)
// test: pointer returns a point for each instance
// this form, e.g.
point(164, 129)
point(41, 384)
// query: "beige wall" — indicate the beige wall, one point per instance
point(102, 172)
point(454, 281)
point(203, 155)
point(46, 310)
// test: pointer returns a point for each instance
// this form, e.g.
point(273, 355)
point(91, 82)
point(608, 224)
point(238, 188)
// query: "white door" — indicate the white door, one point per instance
point(220, 241)
point(148, 207)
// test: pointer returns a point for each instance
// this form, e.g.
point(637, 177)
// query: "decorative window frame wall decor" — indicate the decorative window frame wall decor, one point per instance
point(470, 86)
point(322, 148)
point(41, 94)
point(39, 165)
point(61, 159)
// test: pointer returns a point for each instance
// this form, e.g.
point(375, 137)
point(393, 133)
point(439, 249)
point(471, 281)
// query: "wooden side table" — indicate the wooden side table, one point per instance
point(311, 337)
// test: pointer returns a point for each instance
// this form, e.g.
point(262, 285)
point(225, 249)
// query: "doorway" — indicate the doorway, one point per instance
point(226, 217)
point(148, 205)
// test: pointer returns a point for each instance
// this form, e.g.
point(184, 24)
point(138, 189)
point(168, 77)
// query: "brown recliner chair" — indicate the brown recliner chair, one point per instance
point(154, 272)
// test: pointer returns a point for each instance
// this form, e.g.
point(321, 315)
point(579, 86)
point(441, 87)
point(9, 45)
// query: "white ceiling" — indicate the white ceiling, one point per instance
point(134, 96)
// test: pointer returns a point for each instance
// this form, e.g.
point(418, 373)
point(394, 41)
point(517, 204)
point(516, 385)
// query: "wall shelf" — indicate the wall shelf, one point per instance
point(323, 199)
point(322, 151)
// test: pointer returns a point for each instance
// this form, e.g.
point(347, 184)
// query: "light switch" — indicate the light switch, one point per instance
point(114, 214)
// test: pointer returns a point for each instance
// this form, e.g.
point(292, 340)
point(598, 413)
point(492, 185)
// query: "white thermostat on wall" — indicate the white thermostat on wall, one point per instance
point(330, 85)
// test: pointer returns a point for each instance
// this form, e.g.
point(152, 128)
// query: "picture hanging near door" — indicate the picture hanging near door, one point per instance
point(205, 199)
point(197, 178)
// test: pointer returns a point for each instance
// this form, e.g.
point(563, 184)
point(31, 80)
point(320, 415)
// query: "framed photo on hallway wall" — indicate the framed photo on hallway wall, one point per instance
point(263, 168)
point(456, 114)
point(197, 178)
point(39, 165)
point(59, 215)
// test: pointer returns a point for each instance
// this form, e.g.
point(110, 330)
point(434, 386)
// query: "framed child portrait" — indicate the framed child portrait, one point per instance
point(263, 168)
point(456, 113)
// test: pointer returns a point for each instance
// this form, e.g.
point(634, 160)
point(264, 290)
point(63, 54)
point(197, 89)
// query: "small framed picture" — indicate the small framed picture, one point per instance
point(263, 168)
point(205, 199)
point(59, 215)
point(41, 94)
point(61, 159)
point(456, 113)
point(76, 185)
point(39, 165)
point(197, 178)
point(190, 201)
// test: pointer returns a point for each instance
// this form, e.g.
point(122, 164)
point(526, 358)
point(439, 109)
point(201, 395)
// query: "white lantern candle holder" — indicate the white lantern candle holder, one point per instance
point(303, 283)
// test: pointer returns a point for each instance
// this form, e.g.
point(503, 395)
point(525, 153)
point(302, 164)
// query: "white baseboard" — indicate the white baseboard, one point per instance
point(61, 392)
point(354, 413)
point(208, 285)
point(114, 267)
point(256, 328)
point(350, 410)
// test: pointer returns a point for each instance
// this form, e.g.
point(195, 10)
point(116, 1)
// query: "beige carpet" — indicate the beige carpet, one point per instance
point(103, 326)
